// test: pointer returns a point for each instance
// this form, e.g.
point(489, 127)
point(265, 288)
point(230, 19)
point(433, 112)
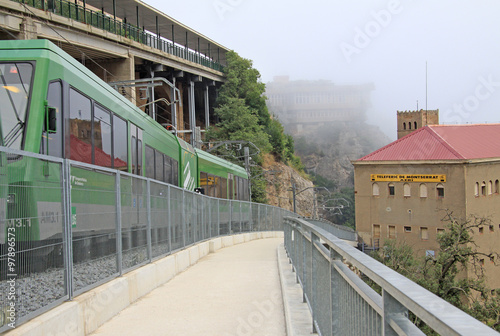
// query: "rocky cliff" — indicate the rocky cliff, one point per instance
point(328, 151)
point(279, 178)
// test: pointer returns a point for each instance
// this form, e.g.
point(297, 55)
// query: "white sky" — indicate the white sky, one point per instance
point(358, 41)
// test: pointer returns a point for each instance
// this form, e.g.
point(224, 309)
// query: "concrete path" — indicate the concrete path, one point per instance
point(235, 291)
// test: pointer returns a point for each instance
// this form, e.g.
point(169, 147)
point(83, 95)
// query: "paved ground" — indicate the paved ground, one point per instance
point(235, 291)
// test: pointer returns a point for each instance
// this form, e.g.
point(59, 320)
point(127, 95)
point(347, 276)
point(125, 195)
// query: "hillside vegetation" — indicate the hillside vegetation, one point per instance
point(243, 114)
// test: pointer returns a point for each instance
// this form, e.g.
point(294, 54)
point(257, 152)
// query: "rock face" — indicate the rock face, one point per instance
point(329, 150)
point(279, 187)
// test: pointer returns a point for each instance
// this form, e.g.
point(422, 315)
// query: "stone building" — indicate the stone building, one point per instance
point(409, 121)
point(402, 189)
point(304, 105)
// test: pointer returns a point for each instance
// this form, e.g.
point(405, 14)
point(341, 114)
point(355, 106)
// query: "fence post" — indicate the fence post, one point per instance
point(148, 224)
point(314, 279)
point(169, 219)
point(183, 219)
point(230, 217)
point(335, 279)
point(392, 308)
point(67, 234)
point(218, 217)
point(119, 247)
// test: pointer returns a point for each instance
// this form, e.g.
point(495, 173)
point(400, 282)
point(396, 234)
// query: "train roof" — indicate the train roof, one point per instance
point(231, 167)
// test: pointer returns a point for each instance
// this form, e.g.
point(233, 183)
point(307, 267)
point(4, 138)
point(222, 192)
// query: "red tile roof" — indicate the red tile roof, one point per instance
point(443, 142)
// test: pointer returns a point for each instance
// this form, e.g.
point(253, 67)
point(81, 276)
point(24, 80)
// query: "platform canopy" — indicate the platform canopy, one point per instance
point(142, 15)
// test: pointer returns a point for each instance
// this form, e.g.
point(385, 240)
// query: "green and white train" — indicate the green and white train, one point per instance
point(51, 104)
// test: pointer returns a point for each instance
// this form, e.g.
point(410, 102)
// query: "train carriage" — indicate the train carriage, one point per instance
point(53, 105)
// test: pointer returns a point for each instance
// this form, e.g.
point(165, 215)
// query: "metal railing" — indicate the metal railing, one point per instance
point(67, 227)
point(105, 22)
point(342, 303)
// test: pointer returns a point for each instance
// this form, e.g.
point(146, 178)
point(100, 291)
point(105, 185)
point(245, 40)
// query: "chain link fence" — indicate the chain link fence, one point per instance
point(67, 227)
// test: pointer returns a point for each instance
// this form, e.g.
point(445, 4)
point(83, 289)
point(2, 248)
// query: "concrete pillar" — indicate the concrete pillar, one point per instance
point(114, 71)
point(28, 29)
point(207, 107)
point(192, 113)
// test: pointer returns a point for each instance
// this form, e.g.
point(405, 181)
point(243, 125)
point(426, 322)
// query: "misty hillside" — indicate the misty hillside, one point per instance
point(327, 152)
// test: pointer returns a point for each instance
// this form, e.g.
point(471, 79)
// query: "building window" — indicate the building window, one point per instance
point(392, 232)
point(490, 187)
point(440, 231)
point(404, 126)
point(375, 189)
point(376, 231)
point(492, 228)
point(481, 261)
point(391, 189)
point(424, 233)
point(476, 189)
point(415, 125)
point(409, 125)
point(406, 190)
point(440, 190)
point(481, 230)
point(483, 189)
point(407, 229)
point(497, 187)
point(423, 190)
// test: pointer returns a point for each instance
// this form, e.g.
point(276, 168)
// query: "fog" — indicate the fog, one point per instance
point(437, 54)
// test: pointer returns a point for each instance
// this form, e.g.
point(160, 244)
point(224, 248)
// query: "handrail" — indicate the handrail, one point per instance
point(305, 244)
point(103, 21)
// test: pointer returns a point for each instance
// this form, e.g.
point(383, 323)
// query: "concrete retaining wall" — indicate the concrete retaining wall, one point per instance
point(90, 310)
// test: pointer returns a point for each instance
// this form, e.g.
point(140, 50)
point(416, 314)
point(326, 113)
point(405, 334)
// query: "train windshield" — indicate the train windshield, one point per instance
point(15, 82)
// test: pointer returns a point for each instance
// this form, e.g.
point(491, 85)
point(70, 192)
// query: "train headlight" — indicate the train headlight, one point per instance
point(11, 199)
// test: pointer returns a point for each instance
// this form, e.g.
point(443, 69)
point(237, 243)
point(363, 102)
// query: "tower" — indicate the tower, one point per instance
point(409, 121)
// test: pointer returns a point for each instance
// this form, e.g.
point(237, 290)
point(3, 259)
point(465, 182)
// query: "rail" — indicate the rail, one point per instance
point(342, 303)
point(105, 22)
point(67, 227)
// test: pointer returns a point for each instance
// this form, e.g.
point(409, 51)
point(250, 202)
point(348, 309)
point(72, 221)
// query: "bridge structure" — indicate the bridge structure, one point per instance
point(169, 70)
point(73, 277)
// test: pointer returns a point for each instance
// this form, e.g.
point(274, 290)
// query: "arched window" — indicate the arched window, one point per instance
point(406, 190)
point(490, 187)
point(440, 190)
point(404, 126)
point(392, 191)
point(375, 189)
point(423, 190)
point(415, 125)
point(476, 189)
point(497, 187)
point(483, 189)
point(409, 125)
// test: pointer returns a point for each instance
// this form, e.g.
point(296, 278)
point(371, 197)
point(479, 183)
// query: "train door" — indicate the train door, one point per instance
point(230, 182)
point(138, 189)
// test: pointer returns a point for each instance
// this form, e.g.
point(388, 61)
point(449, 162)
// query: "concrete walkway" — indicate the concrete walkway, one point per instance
point(235, 291)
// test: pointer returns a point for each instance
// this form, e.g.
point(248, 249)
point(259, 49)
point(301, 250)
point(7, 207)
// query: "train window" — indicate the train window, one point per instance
point(223, 188)
point(80, 127)
point(167, 169)
point(150, 162)
point(14, 94)
point(175, 172)
point(101, 129)
point(158, 165)
point(136, 149)
point(204, 181)
point(120, 160)
point(52, 143)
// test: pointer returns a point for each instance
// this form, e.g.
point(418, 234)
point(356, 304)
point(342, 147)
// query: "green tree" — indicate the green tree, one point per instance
point(243, 114)
point(442, 273)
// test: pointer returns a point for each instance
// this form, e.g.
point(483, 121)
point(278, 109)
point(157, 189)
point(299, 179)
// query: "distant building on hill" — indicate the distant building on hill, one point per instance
point(304, 105)
point(402, 189)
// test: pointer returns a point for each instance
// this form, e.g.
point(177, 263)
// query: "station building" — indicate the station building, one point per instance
point(402, 189)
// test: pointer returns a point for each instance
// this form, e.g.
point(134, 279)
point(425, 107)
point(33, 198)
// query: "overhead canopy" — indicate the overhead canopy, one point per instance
point(142, 15)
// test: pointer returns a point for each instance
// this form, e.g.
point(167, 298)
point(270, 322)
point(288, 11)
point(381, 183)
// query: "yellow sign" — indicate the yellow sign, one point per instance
point(407, 178)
